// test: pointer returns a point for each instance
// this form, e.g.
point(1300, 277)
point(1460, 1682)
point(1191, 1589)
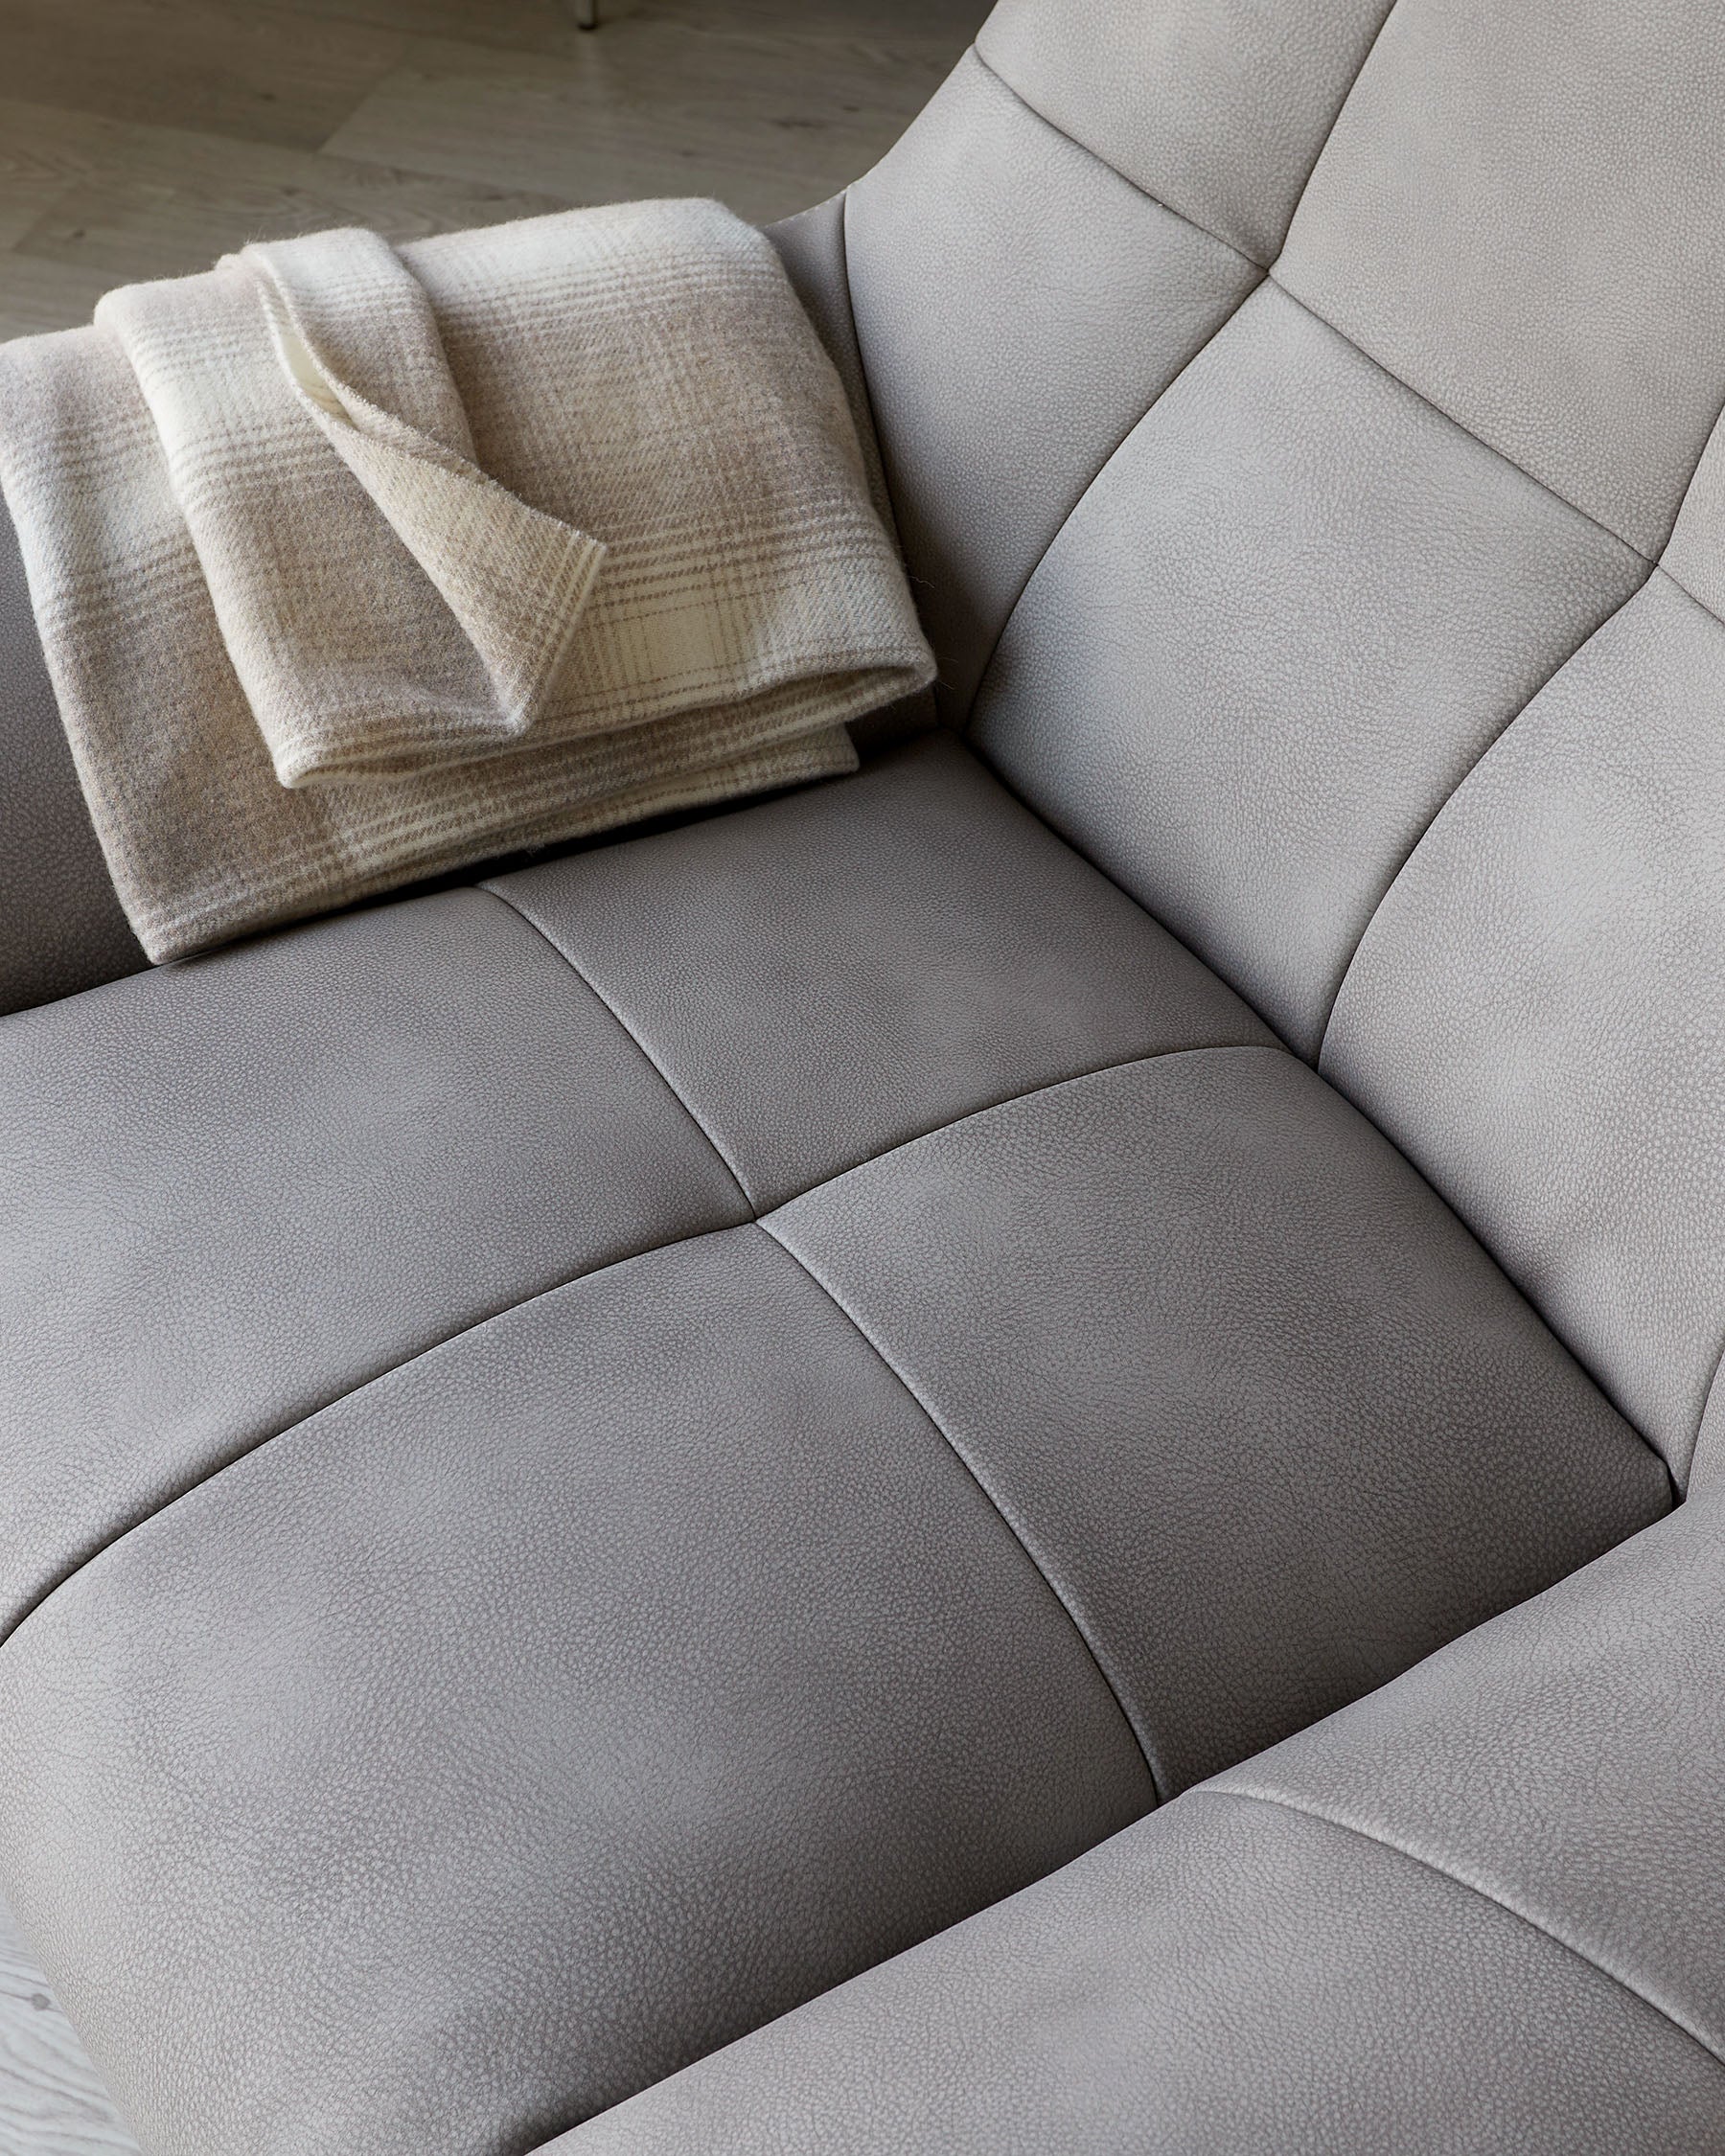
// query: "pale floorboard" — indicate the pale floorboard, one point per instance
point(143, 138)
point(218, 64)
point(122, 201)
point(651, 107)
point(51, 2100)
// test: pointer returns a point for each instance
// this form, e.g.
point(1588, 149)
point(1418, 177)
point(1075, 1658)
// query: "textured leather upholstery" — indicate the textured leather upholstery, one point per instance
point(1530, 1013)
point(1480, 1910)
point(1517, 212)
point(204, 1167)
point(1018, 304)
point(1355, 595)
point(647, 1619)
point(1082, 1343)
point(1206, 1308)
point(829, 976)
point(1219, 111)
point(657, 1666)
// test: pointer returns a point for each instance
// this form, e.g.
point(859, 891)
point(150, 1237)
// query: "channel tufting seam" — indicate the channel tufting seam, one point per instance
point(641, 1046)
point(1193, 226)
point(1267, 277)
point(246, 1447)
point(1461, 425)
point(1020, 1534)
point(1510, 718)
point(1078, 141)
point(1425, 829)
point(1112, 448)
point(1653, 563)
point(1222, 1788)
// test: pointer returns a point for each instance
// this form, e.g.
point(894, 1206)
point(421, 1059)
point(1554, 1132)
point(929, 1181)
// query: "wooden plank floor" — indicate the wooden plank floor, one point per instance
point(51, 2102)
point(143, 138)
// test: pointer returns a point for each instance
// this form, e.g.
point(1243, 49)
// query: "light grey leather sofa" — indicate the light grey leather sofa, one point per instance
point(1054, 1379)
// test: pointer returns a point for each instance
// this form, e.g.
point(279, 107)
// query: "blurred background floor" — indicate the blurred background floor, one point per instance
point(51, 2102)
point(143, 138)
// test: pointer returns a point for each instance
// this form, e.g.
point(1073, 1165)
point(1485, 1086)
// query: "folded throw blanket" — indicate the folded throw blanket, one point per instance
point(353, 565)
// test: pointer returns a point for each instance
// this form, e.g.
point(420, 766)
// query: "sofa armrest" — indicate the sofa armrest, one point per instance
point(1479, 1910)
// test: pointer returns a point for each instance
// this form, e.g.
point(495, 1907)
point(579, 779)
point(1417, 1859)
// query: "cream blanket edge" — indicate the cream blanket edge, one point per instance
point(353, 567)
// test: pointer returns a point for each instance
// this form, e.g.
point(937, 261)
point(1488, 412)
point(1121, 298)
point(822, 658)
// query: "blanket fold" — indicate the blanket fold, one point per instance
point(514, 581)
point(355, 565)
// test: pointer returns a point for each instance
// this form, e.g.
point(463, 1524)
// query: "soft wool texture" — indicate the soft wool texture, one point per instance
point(352, 566)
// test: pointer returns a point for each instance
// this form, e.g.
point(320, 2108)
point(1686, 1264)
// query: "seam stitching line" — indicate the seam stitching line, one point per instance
point(641, 1048)
point(1471, 1886)
point(1085, 492)
point(1005, 1518)
point(405, 1362)
point(1263, 278)
point(1273, 1047)
point(1663, 569)
point(256, 1444)
point(1713, 1385)
point(1462, 426)
point(1115, 447)
point(1329, 132)
point(1106, 163)
point(1656, 560)
point(1426, 827)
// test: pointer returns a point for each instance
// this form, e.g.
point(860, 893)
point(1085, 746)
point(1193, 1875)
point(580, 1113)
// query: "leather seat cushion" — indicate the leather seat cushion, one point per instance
point(1479, 1910)
point(592, 1455)
point(238, 1187)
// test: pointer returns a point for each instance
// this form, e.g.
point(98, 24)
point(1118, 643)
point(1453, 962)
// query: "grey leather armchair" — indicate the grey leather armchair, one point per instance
point(1014, 1454)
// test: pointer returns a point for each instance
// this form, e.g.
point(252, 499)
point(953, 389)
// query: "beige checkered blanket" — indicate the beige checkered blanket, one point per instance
point(355, 565)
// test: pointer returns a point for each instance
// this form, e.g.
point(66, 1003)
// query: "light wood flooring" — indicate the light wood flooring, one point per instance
point(143, 138)
point(51, 2102)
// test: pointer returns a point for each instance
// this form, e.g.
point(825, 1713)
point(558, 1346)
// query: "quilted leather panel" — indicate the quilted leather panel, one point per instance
point(1264, 1411)
point(826, 975)
point(1218, 107)
point(1018, 305)
point(238, 1186)
point(1709, 1462)
point(1696, 557)
point(551, 1710)
point(1566, 1760)
point(1227, 1979)
point(1518, 213)
point(1282, 625)
point(556, 1706)
point(1534, 1014)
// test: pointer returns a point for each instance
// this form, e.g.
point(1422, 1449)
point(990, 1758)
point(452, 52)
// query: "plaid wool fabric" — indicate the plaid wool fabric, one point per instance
point(353, 565)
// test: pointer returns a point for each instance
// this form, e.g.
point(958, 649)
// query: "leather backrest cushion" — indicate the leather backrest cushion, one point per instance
point(1018, 305)
point(1324, 608)
point(1217, 107)
point(1537, 1013)
point(1522, 212)
point(1274, 638)
point(1519, 213)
